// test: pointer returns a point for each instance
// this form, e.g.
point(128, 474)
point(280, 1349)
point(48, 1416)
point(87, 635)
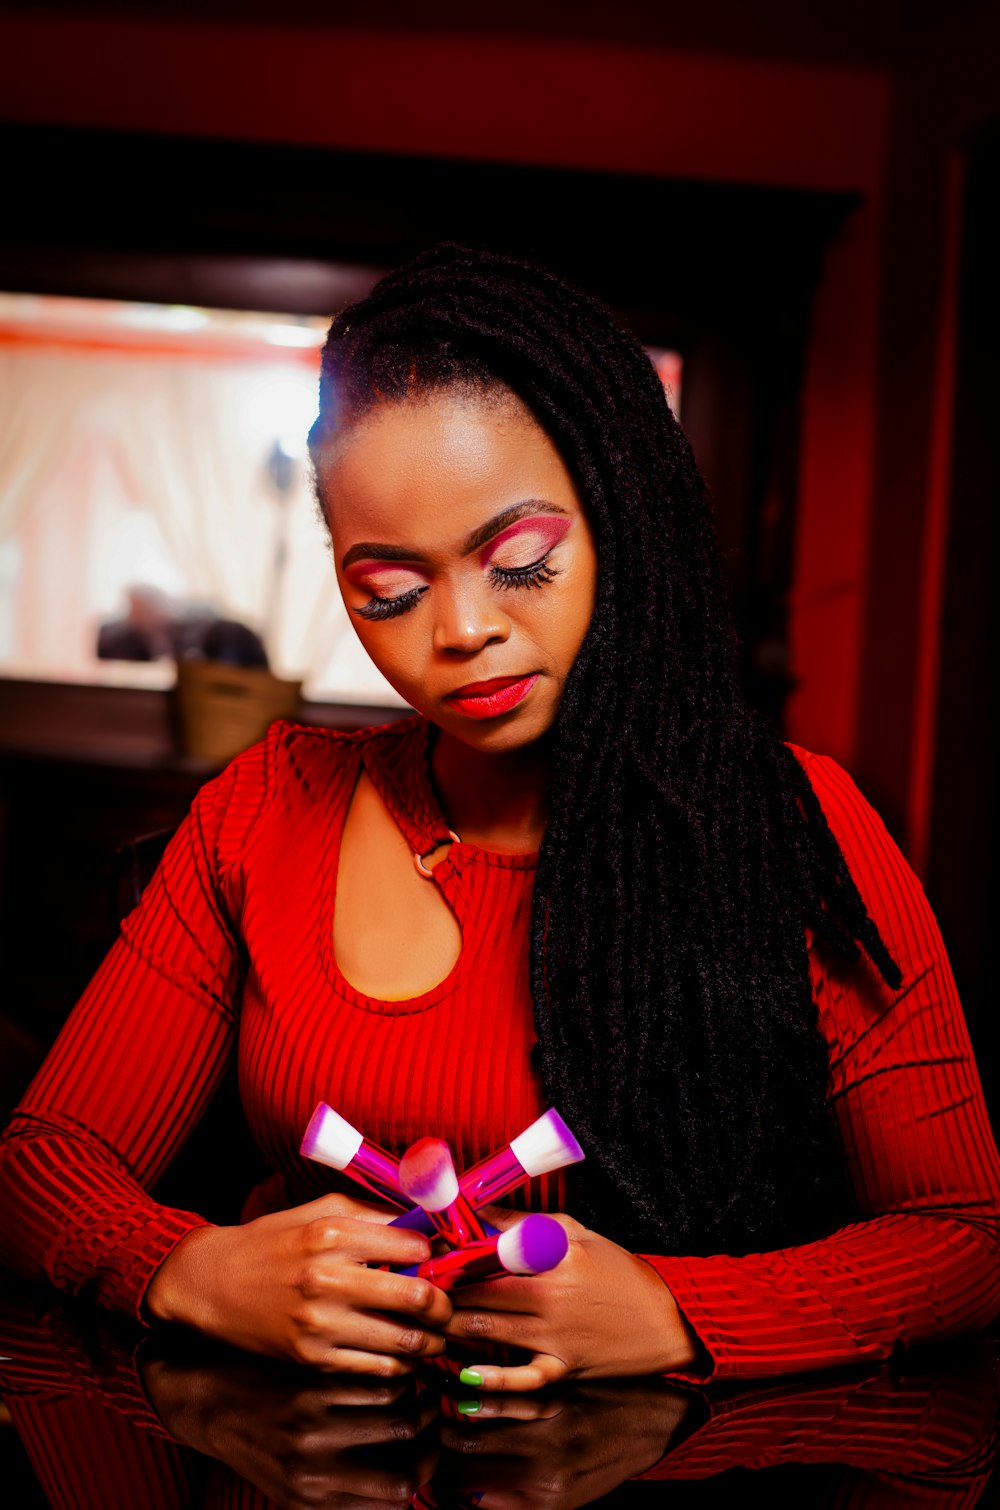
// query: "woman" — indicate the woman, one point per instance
point(721, 971)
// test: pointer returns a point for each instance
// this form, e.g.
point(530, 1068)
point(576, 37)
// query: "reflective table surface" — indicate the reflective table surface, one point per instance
point(100, 1413)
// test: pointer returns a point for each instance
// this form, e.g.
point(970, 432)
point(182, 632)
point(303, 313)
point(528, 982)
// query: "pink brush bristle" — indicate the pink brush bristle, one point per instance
point(427, 1174)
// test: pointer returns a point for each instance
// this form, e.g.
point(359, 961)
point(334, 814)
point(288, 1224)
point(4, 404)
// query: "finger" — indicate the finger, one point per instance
point(509, 1327)
point(380, 1290)
point(516, 1292)
point(544, 1368)
point(343, 1359)
point(501, 1217)
point(340, 1430)
point(369, 1332)
point(365, 1242)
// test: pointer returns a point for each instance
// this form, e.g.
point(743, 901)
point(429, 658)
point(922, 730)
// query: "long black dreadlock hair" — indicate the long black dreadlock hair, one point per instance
point(685, 853)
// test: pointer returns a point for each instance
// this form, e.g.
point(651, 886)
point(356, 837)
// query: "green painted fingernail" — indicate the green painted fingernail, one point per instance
point(471, 1376)
point(469, 1407)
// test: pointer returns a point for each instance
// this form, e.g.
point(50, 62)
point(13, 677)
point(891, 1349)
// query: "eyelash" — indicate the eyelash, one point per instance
point(535, 575)
point(388, 608)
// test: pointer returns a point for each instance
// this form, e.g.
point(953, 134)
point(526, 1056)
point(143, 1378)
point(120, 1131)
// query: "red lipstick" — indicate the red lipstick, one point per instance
point(488, 699)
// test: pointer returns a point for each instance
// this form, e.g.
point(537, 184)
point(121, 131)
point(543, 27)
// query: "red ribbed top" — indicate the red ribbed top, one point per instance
point(231, 949)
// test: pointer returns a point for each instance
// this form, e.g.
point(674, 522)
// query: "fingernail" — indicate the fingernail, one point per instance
point(471, 1376)
point(469, 1407)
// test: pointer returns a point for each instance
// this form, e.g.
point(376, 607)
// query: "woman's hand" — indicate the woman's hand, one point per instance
point(305, 1284)
point(601, 1313)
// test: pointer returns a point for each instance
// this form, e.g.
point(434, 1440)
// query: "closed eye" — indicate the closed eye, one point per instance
point(394, 587)
point(389, 608)
point(535, 575)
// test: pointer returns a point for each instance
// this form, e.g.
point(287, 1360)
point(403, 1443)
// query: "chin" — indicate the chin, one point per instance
point(498, 736)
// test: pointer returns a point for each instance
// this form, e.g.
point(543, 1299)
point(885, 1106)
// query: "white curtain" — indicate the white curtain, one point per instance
point(93, 442)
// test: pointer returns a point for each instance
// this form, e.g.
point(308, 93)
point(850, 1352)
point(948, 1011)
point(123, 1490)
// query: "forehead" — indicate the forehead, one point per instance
point(441, 462)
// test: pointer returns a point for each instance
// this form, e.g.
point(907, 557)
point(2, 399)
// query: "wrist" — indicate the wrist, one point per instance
point(678, 1348)
point(179, 1290)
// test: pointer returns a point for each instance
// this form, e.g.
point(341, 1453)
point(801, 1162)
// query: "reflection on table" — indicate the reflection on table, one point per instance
point(111, 1415)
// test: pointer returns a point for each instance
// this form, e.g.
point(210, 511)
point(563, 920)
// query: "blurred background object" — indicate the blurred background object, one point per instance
point(157, 627)
point(224, 707)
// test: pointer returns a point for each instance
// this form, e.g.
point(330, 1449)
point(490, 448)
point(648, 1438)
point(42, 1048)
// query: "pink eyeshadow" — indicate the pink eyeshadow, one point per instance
point(535, 537)
point(386, 577)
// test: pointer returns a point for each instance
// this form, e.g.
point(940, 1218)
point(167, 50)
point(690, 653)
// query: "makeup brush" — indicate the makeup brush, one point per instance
point(532, 1246)
point(427, 1177)
point(330, 1139)
point(545, 1146)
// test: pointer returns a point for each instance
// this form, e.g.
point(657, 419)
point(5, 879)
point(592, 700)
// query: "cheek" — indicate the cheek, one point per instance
point(577, 607)
point(396, 653)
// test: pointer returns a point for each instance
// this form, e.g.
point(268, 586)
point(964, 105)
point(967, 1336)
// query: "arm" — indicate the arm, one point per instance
point(129, 1076)
point(923, 1260)
point(132, 1071)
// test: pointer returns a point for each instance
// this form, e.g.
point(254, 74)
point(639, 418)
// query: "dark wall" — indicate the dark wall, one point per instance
point(963, 873)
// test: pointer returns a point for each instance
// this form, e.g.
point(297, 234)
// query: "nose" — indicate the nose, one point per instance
point(468, 617)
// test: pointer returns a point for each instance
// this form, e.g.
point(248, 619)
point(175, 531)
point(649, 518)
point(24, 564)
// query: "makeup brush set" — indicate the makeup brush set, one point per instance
point(438, 1201)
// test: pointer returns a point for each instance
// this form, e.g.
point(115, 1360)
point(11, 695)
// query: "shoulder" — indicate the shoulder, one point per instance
point(856, 825)
point(292, 749)
point(292, 769)
point(888, 885)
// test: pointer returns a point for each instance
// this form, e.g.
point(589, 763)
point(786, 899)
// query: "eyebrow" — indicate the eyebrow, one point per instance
point(367, 550)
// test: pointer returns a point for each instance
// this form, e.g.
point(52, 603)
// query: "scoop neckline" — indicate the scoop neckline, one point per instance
point(431, 834)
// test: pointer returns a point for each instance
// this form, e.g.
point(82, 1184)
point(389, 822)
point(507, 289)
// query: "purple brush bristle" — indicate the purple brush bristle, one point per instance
point(427, 1174)
point(537, 1243)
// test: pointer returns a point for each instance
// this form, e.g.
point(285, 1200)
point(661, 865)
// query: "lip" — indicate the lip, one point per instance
point(489, 699)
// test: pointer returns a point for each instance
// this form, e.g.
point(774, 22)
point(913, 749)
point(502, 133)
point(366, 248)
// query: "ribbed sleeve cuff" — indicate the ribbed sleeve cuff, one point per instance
point(128, 1266)
point(751, 1329)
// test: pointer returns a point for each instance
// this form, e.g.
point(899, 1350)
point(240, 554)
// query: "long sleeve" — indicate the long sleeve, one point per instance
point(923, 1260)
point(132, 1070)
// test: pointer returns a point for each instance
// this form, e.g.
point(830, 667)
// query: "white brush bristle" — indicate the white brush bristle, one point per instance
point(330, 1138)
point(546, 1145)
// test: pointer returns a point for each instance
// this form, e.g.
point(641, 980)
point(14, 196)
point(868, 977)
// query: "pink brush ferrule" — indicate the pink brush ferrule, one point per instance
point(535, 1244)
point(543, 1147)
point(418, 1220)
point(462, 1266)
point(493, 1177)
point(458, 1224)
point(373, 1167)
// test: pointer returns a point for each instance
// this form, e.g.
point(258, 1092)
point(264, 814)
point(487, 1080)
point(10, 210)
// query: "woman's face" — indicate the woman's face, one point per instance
point(465, 560)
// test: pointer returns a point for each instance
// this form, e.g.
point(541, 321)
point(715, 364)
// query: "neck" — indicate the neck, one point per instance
point(494, 801)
